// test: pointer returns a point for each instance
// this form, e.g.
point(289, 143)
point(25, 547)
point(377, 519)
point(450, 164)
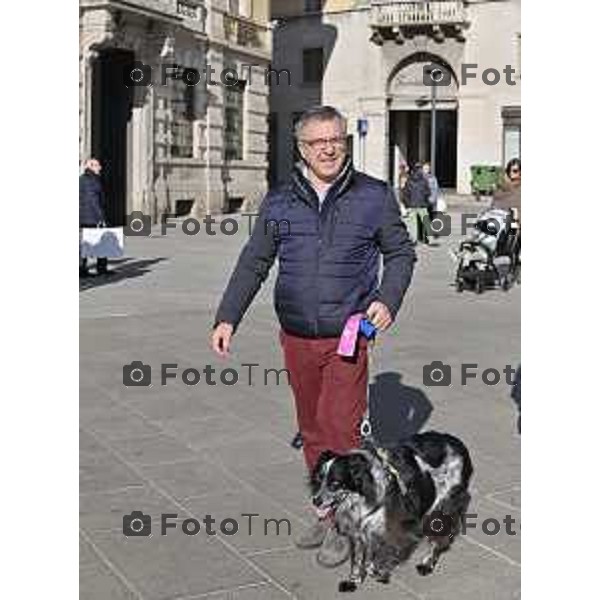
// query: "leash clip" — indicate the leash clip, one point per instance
point(365, 428)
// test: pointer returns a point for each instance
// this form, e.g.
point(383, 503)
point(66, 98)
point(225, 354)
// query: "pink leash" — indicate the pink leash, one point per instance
point(347, 344)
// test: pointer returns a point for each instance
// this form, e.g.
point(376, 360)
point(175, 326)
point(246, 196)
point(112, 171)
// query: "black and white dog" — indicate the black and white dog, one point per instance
point(387, 500)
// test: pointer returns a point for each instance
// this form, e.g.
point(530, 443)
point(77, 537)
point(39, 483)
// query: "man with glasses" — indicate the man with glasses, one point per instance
point(332, 225)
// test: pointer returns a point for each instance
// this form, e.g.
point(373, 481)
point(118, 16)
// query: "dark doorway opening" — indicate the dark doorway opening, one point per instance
point(111, 114)
point(410, 141)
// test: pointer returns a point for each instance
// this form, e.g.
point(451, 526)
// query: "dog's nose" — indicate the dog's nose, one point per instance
point(317, 501)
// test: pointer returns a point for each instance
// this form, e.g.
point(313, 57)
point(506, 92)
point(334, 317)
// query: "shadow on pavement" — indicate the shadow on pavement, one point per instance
point(120, 269)
point(397, 411)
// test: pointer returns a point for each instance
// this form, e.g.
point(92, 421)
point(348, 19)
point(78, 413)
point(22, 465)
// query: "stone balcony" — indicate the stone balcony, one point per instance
point(246, 33)
point(404, 19)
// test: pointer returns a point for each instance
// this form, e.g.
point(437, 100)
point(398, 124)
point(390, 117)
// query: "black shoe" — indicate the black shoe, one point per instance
point(84, 273)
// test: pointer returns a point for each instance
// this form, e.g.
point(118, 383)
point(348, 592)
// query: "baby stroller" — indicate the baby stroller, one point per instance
point(492, 254)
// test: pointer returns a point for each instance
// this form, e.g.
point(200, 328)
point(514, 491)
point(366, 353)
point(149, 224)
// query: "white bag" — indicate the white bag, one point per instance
point(101, 242)
point(440, 205)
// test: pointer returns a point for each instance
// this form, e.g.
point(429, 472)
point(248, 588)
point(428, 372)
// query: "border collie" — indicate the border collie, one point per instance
point(387, 500)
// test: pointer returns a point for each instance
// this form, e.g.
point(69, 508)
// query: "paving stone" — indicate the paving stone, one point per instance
point(298, 571)
point(272, 527)
point(98, 582)
point(193, 478)
point(166, 567)
point(264, 591)
point(151, 450)
point(105, 510)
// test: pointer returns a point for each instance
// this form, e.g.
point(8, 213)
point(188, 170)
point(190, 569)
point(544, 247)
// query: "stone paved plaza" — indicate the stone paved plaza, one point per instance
point(224, 450)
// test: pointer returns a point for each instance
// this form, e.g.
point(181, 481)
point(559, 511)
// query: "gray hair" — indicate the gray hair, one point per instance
point(319, 113)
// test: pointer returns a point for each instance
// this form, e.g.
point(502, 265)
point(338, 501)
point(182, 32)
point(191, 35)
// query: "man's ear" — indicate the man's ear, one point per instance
point(301, 153)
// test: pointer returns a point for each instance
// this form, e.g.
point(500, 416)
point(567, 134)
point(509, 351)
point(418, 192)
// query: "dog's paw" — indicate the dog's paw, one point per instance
point(424, 569)
point(347, 586)
point(382, 577)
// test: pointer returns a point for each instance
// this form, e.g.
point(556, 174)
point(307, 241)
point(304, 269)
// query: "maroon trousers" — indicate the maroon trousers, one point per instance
point(330, 392)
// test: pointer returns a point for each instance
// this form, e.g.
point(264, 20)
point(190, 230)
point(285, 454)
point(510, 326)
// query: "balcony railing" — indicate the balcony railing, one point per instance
point(244, 32)
point(436, 12)
point(405, 19)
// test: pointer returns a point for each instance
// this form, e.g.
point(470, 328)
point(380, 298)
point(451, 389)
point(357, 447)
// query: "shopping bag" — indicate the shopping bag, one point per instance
point(101, 242)
point(441, 205)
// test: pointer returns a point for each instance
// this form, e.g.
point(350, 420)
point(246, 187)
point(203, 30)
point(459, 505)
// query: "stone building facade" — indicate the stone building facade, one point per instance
point(171, 147)
point(368, 59)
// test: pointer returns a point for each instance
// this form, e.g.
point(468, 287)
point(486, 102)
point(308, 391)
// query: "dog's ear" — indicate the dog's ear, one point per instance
point(360, 473)
point(323, 458)
point(358, 470)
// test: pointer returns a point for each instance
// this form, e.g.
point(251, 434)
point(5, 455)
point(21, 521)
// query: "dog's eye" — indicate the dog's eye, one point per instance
point(335, 485)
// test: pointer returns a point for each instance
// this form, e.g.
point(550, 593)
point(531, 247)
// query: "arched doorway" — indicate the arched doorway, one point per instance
point(409, 105)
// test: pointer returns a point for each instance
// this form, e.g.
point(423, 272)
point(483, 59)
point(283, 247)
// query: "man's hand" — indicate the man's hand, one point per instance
point(221, 338)
point(379, 315)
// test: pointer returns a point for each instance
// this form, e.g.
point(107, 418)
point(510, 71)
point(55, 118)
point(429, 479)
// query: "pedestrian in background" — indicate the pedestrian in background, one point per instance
point(403, 172)
point(415, 196)
point(434, 187)
point(340, 222)
point(508, 195)
point(436, 202)
point(92, 209)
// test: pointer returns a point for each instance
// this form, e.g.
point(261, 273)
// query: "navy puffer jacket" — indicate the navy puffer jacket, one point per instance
point(91, 200)
point(328, 258)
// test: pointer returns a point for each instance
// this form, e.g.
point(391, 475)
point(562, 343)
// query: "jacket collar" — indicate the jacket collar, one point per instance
point(304, 189)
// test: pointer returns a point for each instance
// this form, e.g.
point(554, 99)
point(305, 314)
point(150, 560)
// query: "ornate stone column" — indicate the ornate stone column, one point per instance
point(86, 74)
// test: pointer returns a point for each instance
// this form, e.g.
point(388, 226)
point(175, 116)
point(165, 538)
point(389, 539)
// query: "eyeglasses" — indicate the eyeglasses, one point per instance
point(322, 143)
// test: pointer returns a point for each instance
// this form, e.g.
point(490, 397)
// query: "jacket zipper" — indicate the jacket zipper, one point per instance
point(317, 276)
